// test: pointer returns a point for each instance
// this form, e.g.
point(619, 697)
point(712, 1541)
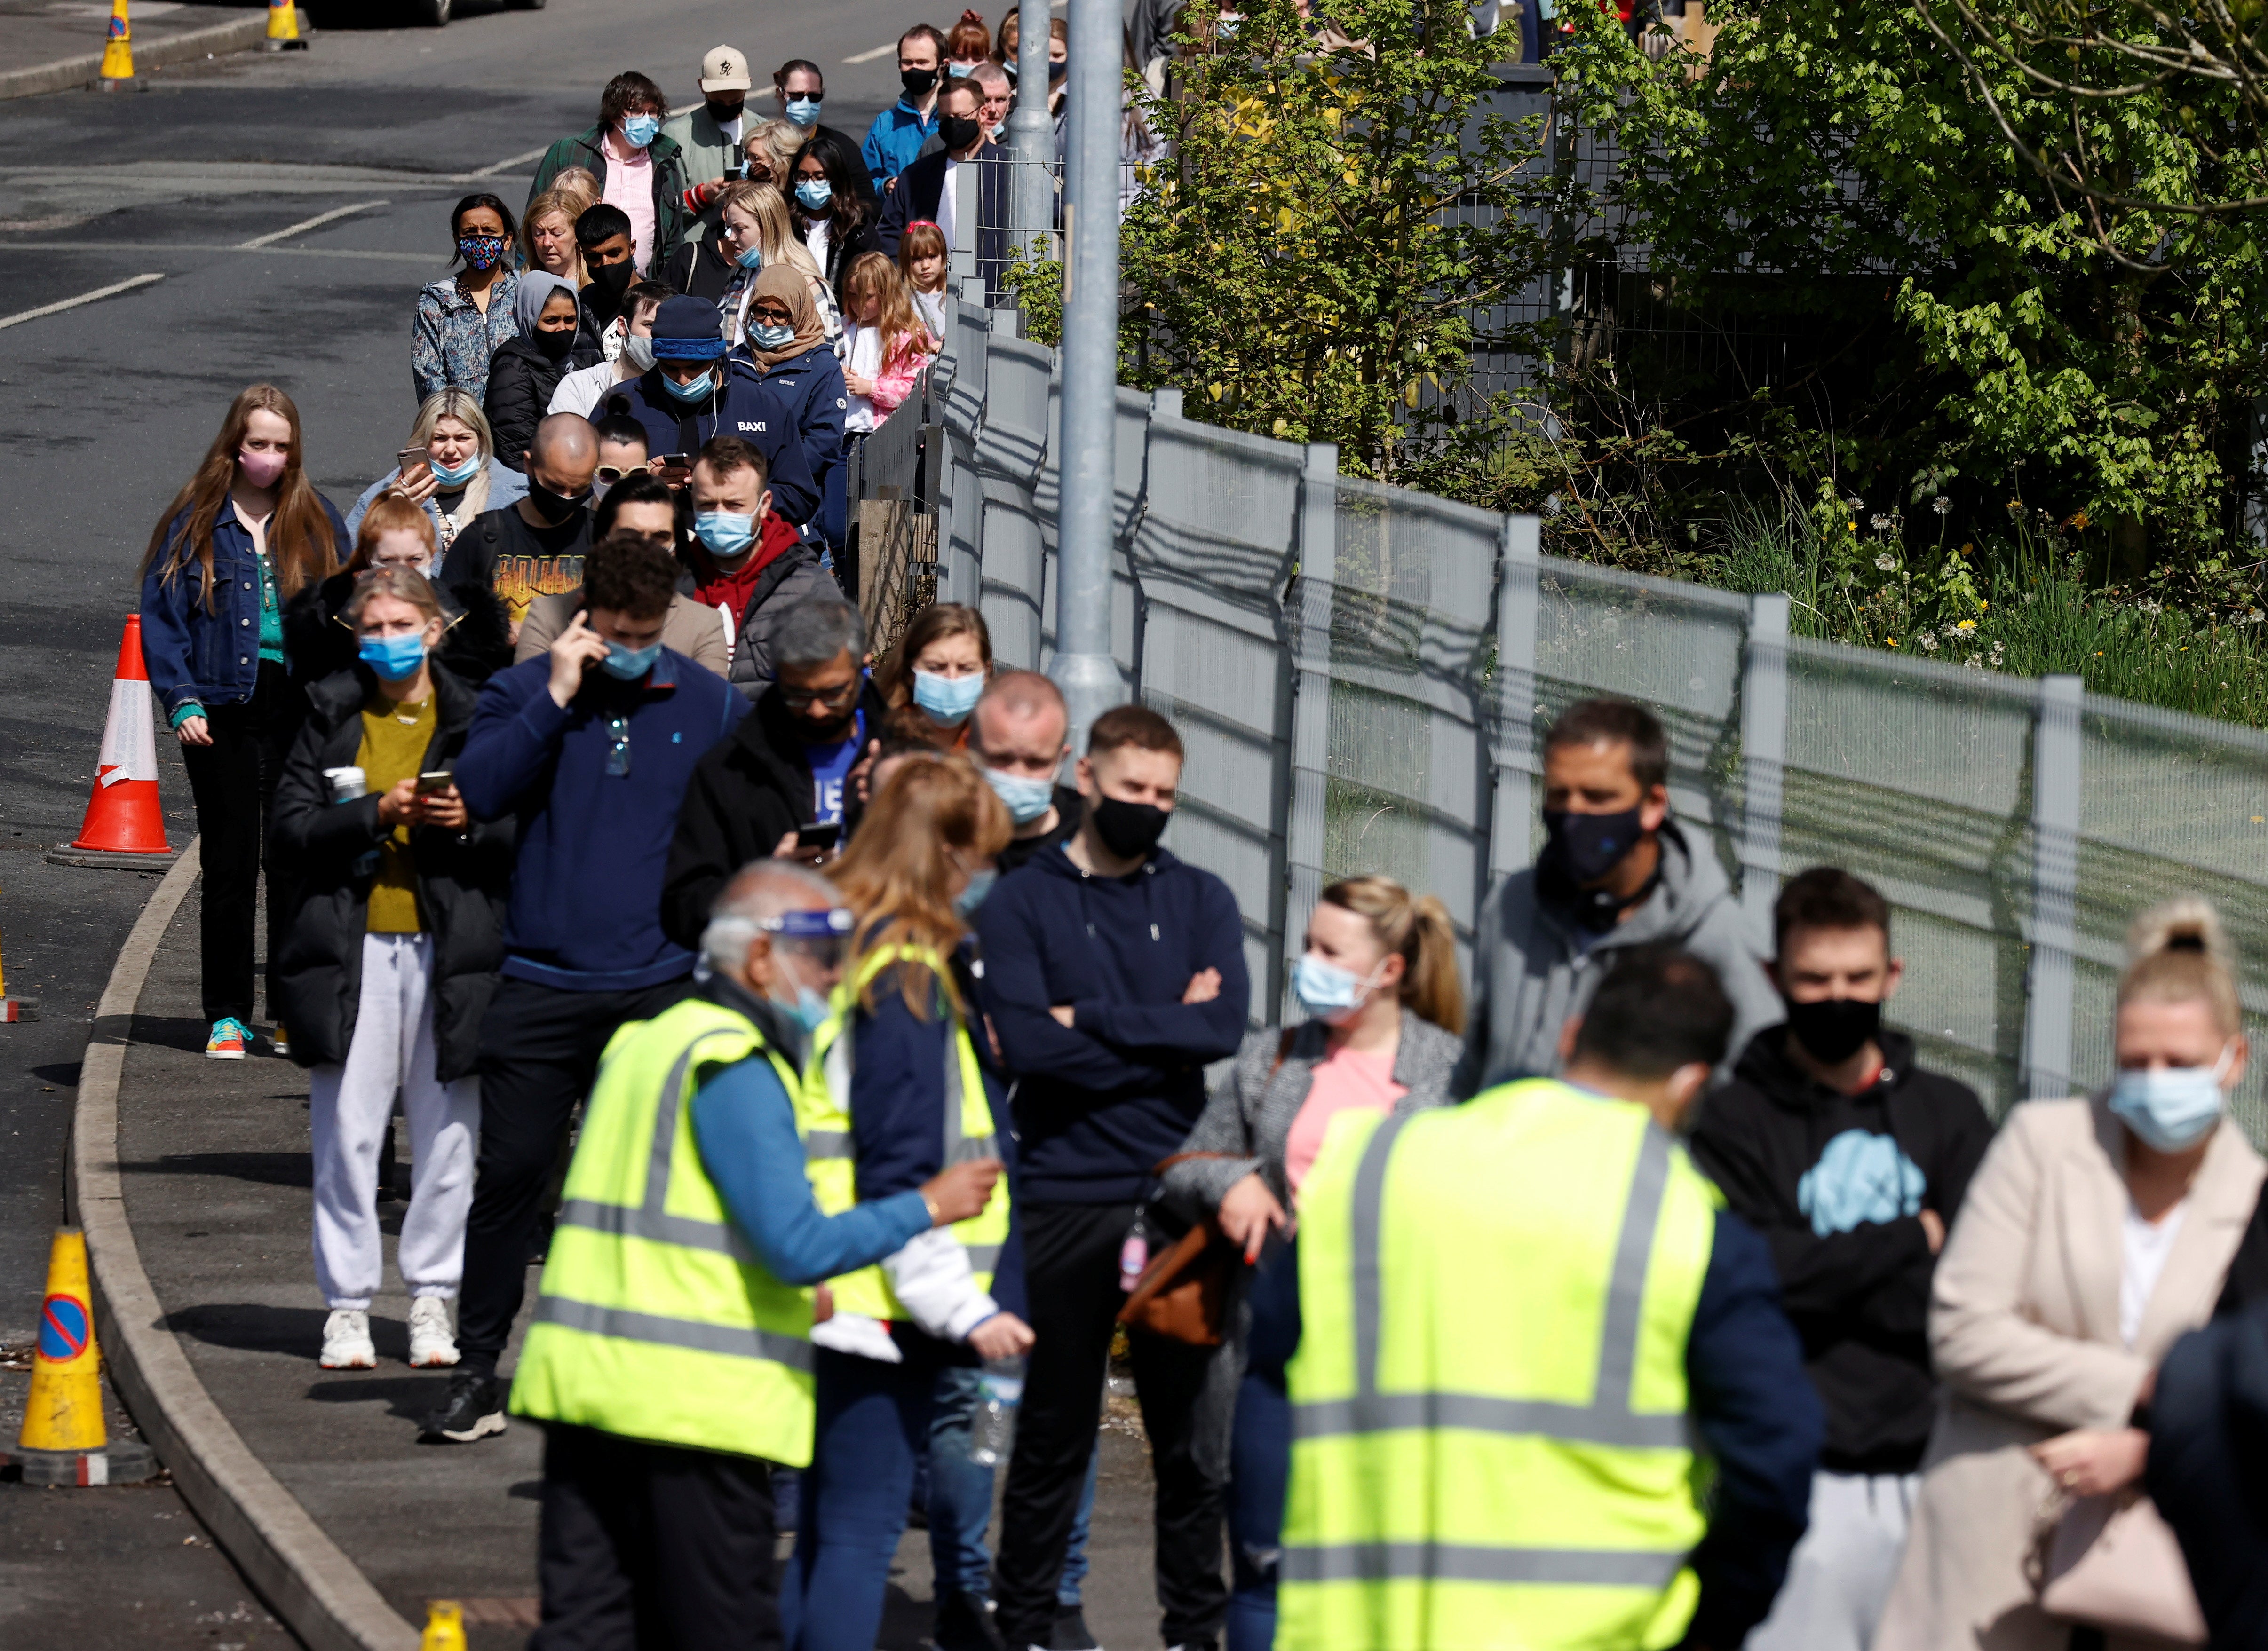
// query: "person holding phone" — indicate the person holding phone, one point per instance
point(447, 468)
point(389, 958)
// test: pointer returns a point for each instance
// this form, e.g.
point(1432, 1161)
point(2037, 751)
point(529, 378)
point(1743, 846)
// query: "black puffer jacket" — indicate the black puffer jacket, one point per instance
point(521, 378)
point(461, 884)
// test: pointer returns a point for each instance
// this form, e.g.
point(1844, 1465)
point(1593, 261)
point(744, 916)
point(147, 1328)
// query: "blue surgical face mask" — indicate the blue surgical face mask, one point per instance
point(2172, 1109)
point(724, 533)
point(815, 192)
point(455, 476)
point(811, 1009)
point(750, 258)
point(948, 699)
point(394, 657)
point(638, 130)
point(980, 884)
point(771, 337)
point(960, 71)
point(1027, 799)
point(695, 390)
point(803, 112)
point(1328, 992)
point(629, 663)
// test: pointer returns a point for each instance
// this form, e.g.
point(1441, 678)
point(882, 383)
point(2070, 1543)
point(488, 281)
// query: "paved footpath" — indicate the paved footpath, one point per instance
point(215, 1160)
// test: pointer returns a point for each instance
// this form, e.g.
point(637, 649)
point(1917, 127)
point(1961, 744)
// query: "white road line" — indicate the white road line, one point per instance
point(868, 57)
point(110, 292)
point(317, 221)
point(427, 259)
point(517, 160)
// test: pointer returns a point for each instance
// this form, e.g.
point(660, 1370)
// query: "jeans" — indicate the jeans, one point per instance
point(959, 1498)
point(233, 780)
point(1260, 1451)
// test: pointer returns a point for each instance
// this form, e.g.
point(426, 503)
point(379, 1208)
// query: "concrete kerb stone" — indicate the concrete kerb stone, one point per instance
point(154, 53)
point(306, 1577)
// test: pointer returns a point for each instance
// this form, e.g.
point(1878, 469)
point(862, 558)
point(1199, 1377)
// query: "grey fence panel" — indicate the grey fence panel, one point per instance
point(960, 502)
point(1010, 448)
point(1305, 834)
point(1125, 606)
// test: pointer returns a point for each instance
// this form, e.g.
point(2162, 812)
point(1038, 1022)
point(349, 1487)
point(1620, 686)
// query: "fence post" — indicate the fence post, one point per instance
point(2055, 746)
point(1519, 553)
point(961, 262)
point(1311, 697)
point(1032, 148)
point(1763, 755)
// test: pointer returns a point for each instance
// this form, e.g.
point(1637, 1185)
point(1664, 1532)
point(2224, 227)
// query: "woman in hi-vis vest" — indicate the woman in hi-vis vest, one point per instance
point(896, 1080)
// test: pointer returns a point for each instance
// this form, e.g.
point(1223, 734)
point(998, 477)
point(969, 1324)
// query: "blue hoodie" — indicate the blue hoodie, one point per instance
point(740, 404)
point(810, 388)
point(1101, 1101)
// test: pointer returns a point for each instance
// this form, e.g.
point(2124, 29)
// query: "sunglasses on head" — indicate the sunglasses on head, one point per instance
point(612, 473)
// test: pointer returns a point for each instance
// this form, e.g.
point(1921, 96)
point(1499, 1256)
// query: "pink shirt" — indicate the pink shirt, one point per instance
point(1343, 1082)
point(629, 186)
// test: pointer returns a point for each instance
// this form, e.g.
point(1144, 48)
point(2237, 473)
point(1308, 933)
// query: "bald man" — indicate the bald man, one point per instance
point(535, 546)
point(1019, 740)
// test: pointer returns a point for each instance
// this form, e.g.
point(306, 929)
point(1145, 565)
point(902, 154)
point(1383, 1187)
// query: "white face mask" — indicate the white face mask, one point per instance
point(2173, 1108)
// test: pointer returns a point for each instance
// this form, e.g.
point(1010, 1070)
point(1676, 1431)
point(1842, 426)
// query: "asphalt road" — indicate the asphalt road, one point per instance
point(104, 410)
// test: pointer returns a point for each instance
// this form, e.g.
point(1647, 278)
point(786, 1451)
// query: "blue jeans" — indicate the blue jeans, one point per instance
point(872, 1420)
point(960, 1499)
point(1259, 1452)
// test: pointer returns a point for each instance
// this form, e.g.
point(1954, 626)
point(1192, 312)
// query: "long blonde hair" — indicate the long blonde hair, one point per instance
point(874, 274)
point(775, 230)
point(2177, 952)
point(896, 876)
point(1418, 927)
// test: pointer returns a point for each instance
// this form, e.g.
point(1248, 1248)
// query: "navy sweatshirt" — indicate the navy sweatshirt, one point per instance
point(586, 909)
point(1099, 1101)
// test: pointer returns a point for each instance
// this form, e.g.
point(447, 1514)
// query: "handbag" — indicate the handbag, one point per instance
point(1182, 1294)
point(2112, 1563)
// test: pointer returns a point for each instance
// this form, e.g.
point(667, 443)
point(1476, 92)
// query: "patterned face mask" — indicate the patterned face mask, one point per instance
point(482, 252)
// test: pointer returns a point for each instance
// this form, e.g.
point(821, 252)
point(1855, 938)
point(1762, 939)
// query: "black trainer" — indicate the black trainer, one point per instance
point(474, 1409)
point(1069, 1632)
point(964, 1623)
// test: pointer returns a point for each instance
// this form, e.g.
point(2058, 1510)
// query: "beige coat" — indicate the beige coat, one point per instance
point(691, 629)
point(2023, 1328)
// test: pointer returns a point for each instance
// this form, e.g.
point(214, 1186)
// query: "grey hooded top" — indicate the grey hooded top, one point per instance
point(1534, 966)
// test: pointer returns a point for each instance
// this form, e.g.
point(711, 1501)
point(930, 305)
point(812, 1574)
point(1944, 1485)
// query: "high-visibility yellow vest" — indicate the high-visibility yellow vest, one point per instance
point(655, 1320)
point(830, 1159)
point(1489, 1444)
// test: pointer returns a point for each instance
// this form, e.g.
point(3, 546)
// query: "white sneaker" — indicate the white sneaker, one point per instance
point(432, 1342)
point(346, 1341)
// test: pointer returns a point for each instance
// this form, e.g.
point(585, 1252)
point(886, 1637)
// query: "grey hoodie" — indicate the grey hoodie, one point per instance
point(1532, 970)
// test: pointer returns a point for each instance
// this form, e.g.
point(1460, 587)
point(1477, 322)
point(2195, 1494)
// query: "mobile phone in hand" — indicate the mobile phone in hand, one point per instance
point(818, 838)
point(435, 784)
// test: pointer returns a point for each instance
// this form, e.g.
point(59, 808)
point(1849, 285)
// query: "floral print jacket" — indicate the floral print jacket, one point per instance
point(451, 341)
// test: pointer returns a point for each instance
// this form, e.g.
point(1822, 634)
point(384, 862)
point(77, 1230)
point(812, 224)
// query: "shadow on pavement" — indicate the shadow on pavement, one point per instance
point(252, 1327)
point(267, 1169)
point(406, 1397)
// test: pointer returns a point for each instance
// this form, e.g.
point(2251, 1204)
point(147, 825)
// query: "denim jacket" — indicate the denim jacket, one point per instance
point(209, 656)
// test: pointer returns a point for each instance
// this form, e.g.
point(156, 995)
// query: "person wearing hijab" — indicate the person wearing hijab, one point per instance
point(526, 368)
point(786, 339)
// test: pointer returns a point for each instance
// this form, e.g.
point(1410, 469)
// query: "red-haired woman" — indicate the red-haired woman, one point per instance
point(247, 534)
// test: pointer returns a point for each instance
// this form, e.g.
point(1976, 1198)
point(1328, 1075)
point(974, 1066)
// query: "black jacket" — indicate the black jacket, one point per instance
point(843, 250)
point(700, 269)
point(922, 184)
point(320, 644)
point(461, 884)
point(479, 640)
point(1835, 1183)
point(748, 790)
point(521, 378)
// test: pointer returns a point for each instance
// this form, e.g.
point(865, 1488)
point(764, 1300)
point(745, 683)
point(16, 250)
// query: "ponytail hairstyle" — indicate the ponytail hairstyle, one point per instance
point(2177, 952)
point(302, 549)
point(1418, 928)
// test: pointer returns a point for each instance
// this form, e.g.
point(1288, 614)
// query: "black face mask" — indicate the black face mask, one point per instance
point(1128, 830)
point(1055, 71)
point(554, 508)
point(957, 132)
point(614, 279)
point(1584, 847)
point(553, 346)
point(917, 81)
point(1834, 1029)
point(723, 112)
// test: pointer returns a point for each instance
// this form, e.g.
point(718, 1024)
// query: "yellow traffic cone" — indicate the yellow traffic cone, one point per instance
point(445, 1627)
point(283, 28)
point(117, 50)
point(64, 1440)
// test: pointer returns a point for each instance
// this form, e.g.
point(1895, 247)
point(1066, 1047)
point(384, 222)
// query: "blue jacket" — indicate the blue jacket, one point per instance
point(585, 908)
point(1101, 1101)
point(812, 389)
point(745, 404)
point(507, 485)
point(896, 139)
point(210, 654)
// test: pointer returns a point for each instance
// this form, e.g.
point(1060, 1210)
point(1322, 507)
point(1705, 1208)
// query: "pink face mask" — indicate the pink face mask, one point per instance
point(261, 469)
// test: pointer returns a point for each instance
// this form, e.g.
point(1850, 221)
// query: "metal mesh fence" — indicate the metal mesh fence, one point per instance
point(1363, 675)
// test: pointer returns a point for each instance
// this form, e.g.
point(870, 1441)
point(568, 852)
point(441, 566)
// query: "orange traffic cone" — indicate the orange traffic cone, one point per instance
point(123, 817)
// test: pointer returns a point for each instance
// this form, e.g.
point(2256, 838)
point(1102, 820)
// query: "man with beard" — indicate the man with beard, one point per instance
point(1615, 871)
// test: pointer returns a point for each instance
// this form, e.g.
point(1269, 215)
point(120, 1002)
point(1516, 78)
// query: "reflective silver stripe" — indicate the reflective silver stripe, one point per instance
point(1464, 1562)
point(1607, 1420)
point(984, 1258)
point(620, 1221)
point(664, 1120)
point(970, 1146)
point(733, 1340)
point(820, 1145)
point(1578, 1424)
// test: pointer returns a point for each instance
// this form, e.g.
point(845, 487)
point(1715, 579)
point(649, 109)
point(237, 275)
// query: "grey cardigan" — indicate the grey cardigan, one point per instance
point(1250, 1117)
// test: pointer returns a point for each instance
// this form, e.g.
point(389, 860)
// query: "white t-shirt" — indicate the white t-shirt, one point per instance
point(730, 130)
point(582, 389)
point(816, 239)
point(948, 206)
point(2145, 1245)
point(864, 357)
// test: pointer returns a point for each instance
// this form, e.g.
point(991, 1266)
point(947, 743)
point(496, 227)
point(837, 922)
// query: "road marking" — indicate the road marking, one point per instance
point(517, 160)
point(111, 292)
point(317, 221)
point(432, 260)
point(868, 57)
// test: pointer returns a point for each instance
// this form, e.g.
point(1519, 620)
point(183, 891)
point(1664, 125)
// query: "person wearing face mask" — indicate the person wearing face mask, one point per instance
point(1114, 974)
point(533, 547)
point(830, 208)
point(582, 389)
point(639, 505)
point(708, 136)
point(999, 97)
point(936, 674)
point(928, 190)
point(641, 172)
point(389, 957)
point(1615, 871)
point(898, 131)
point(787, 769)
point(1018, 735)
point(800, 90)
point(461, 476)
point(746, 566)
point(318, 639)
point(914, 1095)
point(243, 537)
point(2097, 1231)
point(462, 318)
point(637, 1413)
point(1852, 1161)
point(786, 339)
point(1377, 980)
point(602, 235)
point(587, 749)
point(527, 370)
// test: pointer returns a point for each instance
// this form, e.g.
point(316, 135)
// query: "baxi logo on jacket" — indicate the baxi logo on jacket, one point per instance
point(751, 427)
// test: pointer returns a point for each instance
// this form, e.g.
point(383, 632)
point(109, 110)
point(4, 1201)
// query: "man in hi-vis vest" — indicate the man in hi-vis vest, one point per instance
point(1545, 1395)
point(670, 1358)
